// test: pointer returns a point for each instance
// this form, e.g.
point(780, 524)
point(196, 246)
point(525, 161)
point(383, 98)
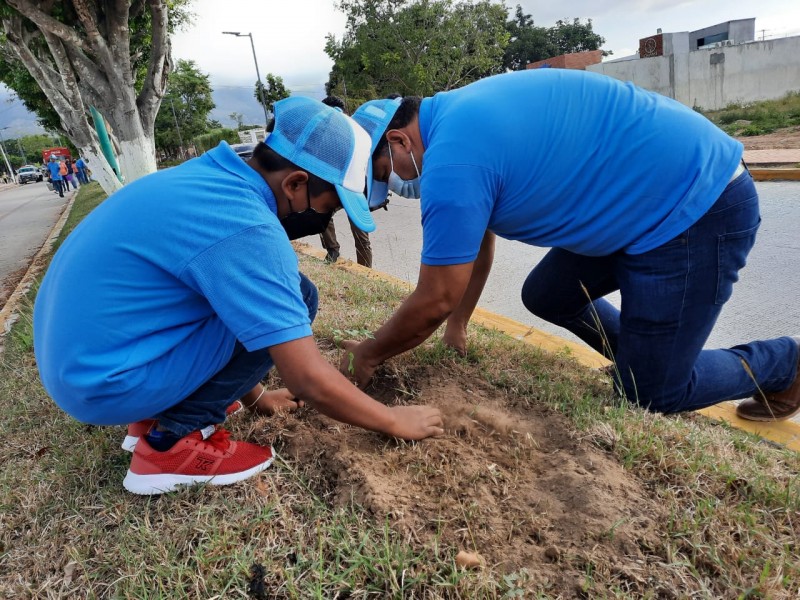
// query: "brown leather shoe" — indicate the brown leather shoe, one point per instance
point(773, 406)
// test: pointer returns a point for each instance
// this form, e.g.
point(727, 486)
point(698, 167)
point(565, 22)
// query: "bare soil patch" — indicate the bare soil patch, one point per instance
point(9, 284)
point(514, 484)
point(782, 139)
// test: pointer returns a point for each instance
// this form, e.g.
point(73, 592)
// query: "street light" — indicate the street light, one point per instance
point(258, 74)
point(5, 156)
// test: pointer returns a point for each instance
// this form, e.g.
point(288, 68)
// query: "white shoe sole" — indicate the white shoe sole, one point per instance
point(148, 485)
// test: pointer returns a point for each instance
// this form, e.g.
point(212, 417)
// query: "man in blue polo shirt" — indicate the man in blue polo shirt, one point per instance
point(633, 191)
point(170, 302)
point(54, 169)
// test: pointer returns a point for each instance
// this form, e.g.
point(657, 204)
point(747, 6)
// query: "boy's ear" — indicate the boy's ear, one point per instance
point(292, 183)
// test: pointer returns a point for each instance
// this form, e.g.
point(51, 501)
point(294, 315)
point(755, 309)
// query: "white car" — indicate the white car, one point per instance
point(28, 173)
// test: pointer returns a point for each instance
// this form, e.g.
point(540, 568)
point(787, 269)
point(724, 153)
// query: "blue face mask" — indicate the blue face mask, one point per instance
point(406, 188)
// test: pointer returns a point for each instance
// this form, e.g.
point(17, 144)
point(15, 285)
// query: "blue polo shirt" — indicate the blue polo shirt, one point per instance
point(55, 170)
point(567, 159)
point(146, 298)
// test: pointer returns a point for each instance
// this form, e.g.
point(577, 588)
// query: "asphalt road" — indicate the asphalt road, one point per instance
point(27, 214)
point(764, 302)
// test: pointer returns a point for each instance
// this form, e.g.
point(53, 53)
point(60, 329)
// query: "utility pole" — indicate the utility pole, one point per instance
point(5, 157)
point(258, 74)
point(178, 127)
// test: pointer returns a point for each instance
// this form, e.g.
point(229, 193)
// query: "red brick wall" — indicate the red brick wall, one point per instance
point(576, 60)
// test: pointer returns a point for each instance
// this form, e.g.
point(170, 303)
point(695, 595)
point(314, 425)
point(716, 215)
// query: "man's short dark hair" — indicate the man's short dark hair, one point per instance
point(334, 101)
point(271, 161)
point(408, 109)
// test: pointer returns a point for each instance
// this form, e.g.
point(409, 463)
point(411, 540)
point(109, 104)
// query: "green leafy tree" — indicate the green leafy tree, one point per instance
point(414, 47)
point(63, 56)
point(185, 109)
point(531, 43)
point(273, 89)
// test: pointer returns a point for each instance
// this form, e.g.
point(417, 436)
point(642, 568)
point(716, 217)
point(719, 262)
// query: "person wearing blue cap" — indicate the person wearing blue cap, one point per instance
point(54, 168)
point(165, 308)
point(631, 190)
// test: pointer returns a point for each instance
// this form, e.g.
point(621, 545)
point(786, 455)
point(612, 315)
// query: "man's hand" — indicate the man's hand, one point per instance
point(416, 422)
point(355, 364)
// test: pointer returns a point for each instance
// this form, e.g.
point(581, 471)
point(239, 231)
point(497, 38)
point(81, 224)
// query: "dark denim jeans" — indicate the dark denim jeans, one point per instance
point(207, 404)
point(671, 298)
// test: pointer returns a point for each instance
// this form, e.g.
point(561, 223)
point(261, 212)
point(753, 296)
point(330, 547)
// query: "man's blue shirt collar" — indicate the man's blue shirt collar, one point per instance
point(226, 158)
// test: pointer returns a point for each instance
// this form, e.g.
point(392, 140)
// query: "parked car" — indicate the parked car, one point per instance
point(28, 173)
point(245, 151)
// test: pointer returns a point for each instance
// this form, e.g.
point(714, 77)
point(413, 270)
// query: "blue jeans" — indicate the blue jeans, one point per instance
point(671, 298)
point(207, 404)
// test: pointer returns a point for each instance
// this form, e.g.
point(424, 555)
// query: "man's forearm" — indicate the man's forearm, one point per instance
point(480, 273)
point(410, 325)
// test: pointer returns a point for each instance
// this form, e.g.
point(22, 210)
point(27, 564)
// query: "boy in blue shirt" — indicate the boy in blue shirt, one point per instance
point(632, 190)
point(171, 301)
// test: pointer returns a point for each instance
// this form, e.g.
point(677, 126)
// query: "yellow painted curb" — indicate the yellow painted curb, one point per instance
point(786, 433)
point(775, 174)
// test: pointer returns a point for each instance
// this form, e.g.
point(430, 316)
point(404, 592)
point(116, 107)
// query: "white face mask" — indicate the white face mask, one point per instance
point(406, 188)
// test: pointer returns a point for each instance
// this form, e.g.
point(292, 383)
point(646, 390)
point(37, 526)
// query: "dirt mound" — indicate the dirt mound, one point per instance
point(782, 139)
point(517, 486)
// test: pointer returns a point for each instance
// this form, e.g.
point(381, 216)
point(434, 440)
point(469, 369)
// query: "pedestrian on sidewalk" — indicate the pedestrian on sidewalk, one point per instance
point(66, 174)
point(328, 237)
point(81, 166)
point(631, 190)
point(55, 175)
point(167, 306)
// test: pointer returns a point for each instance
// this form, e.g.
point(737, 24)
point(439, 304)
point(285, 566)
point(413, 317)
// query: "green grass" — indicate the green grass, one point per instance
point(758, 118)
point(68, 529)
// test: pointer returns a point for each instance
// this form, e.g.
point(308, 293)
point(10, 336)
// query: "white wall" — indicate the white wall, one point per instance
point(716, 77)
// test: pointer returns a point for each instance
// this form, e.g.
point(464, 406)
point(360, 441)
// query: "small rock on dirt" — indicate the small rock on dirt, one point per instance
point(552, 554)
point(469, 560)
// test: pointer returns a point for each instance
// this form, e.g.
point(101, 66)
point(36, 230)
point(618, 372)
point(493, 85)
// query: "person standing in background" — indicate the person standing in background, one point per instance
point(328, 237)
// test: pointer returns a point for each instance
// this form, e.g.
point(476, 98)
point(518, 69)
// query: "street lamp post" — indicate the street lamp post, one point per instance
point(258, 74)
point(5, 156)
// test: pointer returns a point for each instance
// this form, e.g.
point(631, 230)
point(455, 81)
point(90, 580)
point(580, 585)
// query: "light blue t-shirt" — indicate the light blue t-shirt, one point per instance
point(566, 159)
point(145, 300)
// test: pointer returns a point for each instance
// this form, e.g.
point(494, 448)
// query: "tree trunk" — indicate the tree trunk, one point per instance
point(88, 63)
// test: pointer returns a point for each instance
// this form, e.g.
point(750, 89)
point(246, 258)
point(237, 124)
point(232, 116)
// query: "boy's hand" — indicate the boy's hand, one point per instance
point(355, 365)
point(416, 422)
point(270, 402)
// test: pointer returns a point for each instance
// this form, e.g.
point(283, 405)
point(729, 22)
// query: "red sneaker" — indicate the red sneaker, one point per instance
point(205, 456)
point(140, 428)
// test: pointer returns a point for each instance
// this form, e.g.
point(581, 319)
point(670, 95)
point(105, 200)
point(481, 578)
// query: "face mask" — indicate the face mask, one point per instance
point(307, 222)
point(402, 187)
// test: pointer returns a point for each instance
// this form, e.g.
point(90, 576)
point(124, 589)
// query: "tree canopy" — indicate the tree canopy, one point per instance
point(421, 47)
point(414, 47)
point(531, 43)
point(274, 90)
point(185, 109)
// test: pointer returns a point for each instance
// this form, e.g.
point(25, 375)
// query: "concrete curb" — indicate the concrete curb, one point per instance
point(785, 433)
point(9, 315)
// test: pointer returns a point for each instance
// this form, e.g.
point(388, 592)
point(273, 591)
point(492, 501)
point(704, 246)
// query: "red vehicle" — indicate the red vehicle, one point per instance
point(60, 153)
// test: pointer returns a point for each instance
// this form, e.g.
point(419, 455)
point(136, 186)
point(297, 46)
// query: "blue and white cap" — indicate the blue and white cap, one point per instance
point(329, 144)
point(374, 116)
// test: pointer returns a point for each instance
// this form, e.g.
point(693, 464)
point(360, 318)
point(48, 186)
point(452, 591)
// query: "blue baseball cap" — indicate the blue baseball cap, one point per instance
point(374, 116)
point(328, 144)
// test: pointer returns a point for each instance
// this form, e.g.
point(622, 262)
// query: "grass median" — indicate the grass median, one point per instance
point(560, 488)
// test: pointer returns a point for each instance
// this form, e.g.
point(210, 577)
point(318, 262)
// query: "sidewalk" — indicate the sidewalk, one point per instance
point(776, 158)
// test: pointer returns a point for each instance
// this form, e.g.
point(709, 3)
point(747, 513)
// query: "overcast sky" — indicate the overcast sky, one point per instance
point(290, 36)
